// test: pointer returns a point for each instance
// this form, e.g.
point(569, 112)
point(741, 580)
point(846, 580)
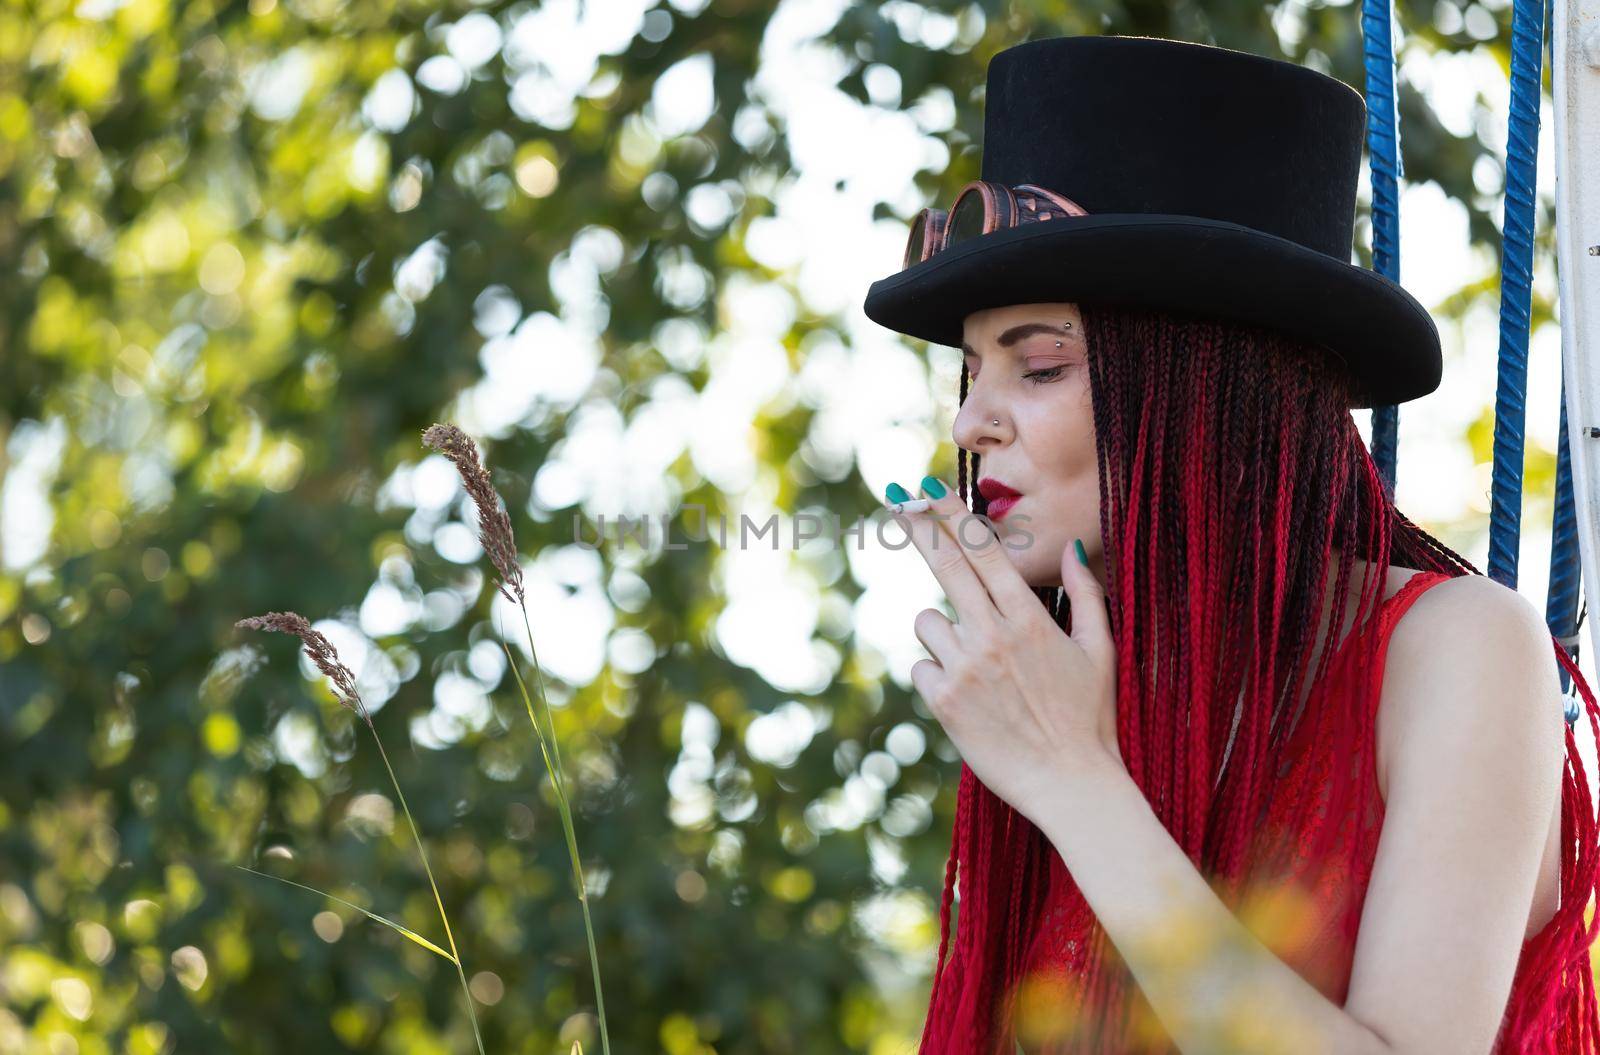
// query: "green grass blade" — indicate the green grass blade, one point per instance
point(413, 935)
point(449, 936)
point(565, 809)
point(552, 768)
point(539, 681)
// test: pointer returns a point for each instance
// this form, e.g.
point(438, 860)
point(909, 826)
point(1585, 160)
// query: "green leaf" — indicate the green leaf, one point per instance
point(413, 935)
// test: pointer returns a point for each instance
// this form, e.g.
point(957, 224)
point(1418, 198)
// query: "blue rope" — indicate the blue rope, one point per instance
point(1383, 153)
point(1516, 287)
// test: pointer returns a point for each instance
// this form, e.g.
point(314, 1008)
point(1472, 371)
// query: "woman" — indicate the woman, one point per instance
point(1241, 804)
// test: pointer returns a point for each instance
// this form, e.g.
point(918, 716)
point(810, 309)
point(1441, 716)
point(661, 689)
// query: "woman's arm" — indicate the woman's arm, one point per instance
point(1476, 743)
point(1474, 766)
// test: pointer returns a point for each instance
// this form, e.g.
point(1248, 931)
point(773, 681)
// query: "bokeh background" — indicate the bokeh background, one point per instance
point(253, 249)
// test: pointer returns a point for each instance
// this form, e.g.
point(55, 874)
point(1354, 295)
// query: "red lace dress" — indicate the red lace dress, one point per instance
point(1310, 920)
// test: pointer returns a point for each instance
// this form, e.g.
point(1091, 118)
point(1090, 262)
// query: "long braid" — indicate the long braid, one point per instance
point(964, 795)
point(1157, 411)
point(1206, 499)
point(963, 473)
point(963, 808)
point(1556, 967)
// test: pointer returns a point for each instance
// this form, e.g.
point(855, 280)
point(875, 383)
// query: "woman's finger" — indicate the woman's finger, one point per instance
point(928, 678)
point(1091, 626)
point(937, 634)
point(949, 564)
point(1008, 590)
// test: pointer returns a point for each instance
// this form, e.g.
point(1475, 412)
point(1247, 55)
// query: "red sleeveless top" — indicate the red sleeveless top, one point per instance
point(1310, 918)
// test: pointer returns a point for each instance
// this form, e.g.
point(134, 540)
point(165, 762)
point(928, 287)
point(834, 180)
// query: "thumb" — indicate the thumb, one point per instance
point(1090, 627)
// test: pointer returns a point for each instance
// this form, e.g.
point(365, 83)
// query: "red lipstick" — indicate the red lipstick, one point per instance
point(1000, 498)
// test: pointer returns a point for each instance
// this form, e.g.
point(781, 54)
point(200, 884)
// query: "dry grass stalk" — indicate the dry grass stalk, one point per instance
point(495, 528)
point(494, 525)
point(321, 651)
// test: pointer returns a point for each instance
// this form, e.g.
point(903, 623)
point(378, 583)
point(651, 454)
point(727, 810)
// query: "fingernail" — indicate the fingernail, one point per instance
point(1083, 558)
point(932, 487)
point(896, 493)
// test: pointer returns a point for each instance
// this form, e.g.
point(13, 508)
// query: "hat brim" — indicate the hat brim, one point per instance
point(1385, 338)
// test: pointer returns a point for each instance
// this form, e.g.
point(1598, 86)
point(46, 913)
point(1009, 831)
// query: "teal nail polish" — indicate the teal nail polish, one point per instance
point(932, 487)
point(896, 493)
point(1083, 558)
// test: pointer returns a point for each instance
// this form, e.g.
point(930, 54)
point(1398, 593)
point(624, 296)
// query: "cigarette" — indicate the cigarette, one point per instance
point(916, 505)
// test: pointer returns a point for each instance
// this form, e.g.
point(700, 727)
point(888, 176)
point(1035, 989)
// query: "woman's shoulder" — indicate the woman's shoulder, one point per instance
point(1468, 608)
point(1456, 638)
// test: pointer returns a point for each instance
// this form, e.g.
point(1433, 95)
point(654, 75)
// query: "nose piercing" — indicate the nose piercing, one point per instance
point(997, 421)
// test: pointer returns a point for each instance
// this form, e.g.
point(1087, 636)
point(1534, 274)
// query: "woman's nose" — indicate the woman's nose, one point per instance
point(979, 423)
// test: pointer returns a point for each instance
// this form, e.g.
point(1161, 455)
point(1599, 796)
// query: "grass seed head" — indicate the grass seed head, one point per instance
point(321, 651)
point(494, 525)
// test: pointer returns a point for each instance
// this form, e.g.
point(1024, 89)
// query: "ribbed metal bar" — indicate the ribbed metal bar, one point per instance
point(1383, 159)
point(1561, 605)
point(1516, 288)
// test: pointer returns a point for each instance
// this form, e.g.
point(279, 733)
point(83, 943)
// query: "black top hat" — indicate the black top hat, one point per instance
point(1215, 182)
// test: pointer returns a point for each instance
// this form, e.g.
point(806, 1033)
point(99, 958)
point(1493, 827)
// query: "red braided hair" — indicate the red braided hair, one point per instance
point(1230, 469)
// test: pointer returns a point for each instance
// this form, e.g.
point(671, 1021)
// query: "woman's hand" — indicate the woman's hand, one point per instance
point(1025, 703)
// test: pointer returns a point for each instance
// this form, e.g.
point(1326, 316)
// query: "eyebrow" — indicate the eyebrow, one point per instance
point(1016, 333)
